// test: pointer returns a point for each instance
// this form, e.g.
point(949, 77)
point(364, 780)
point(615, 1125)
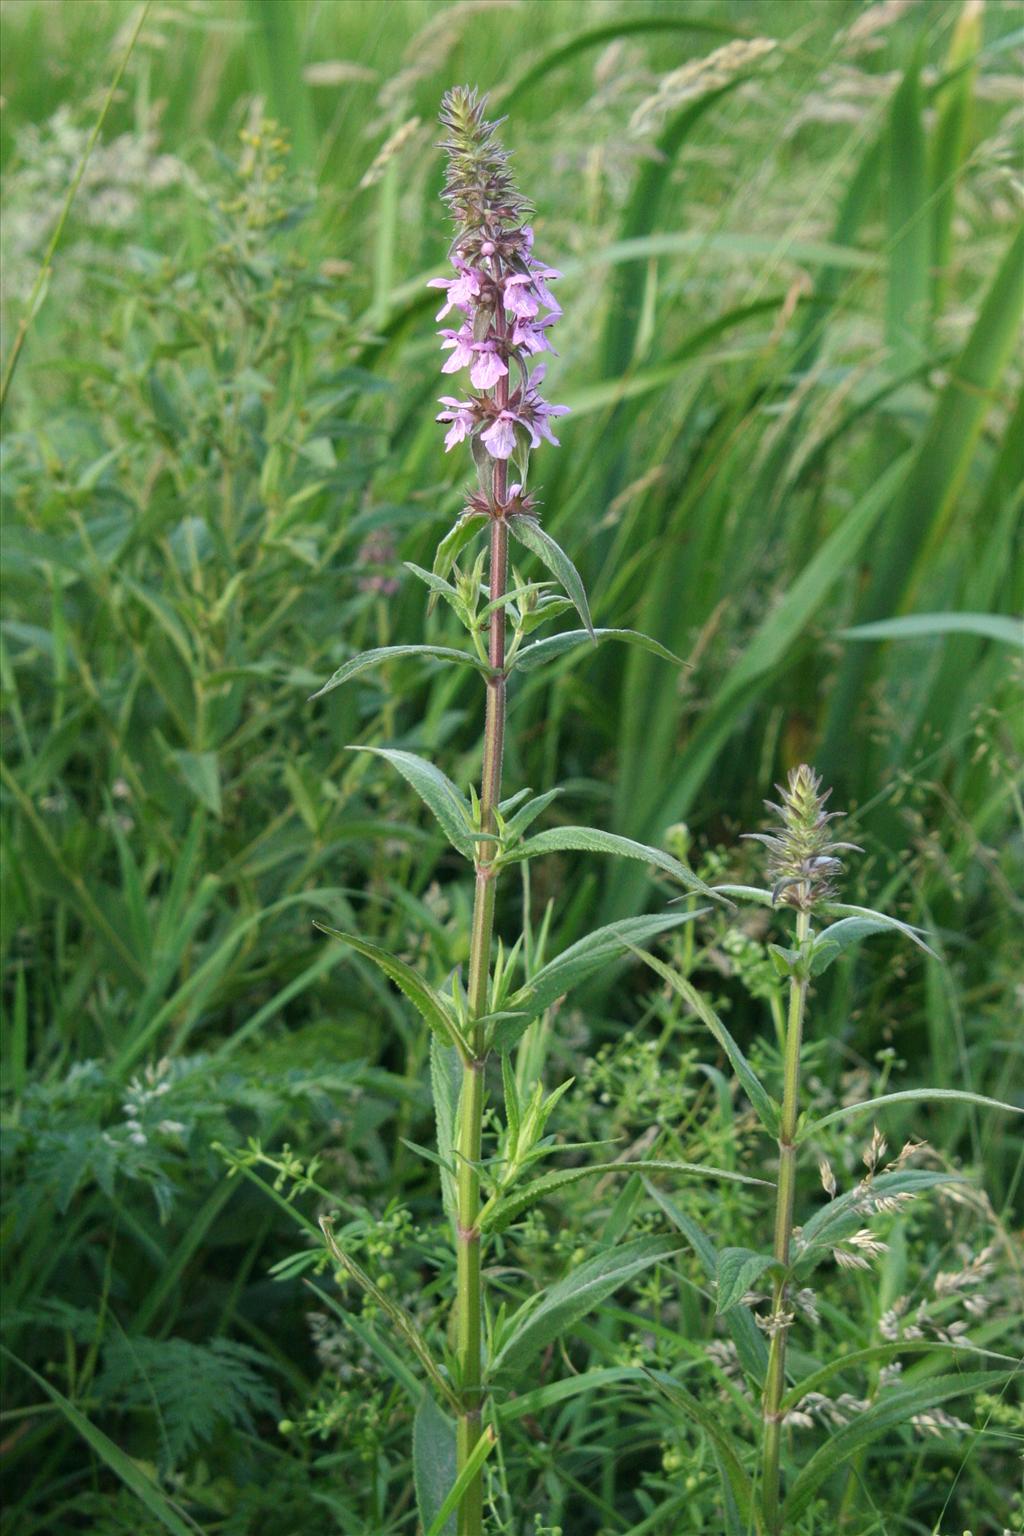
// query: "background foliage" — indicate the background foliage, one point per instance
point(792, 291)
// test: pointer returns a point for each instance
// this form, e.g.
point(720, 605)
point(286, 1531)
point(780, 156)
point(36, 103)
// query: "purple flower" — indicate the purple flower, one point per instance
point(500, 439)
point(462, 418)
point(487, 367)
point(518, 298)
point(501, 288)
point(461, 290)
point(534, 412)
point(538, 273)
point(462, 356)
point(529, 334)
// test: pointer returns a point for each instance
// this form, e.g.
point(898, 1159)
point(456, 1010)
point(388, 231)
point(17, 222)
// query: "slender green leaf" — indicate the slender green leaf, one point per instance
point(529, 1404)
point(130, 1472)
point(428, 1002)
point(949, 143)
point(553, 1313)
point(907, 309)
point(202, 775)
point(529, 532)
point(729, 1462)
point(434, 1462)
point(754, 893)
point(592, 840)
point(738, 1270)
point(527, 814)
point(916, 626)
point(401, 1321)
point(474, 1461)
point(511, 1206)
point(384, 653)
point(576, 964)
point(766, 1108)
point(445, 1079)
point(881, 1354)
point(907, 1096)
point(834, 1221)
point(532, 72)
point(438, 794)
point(539, 652)
point(892, 1411)
point(807, 253)
point(461, 533)
point(839, 937)
point(883, 920)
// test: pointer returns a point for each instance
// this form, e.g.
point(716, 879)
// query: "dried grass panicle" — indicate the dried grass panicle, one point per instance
point(697, 77)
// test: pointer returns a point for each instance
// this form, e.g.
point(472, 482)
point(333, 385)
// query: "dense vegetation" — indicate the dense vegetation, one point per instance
point(792, 288)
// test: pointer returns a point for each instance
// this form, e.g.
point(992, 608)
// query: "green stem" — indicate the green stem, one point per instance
point(469, 1302)
point(775, 1379)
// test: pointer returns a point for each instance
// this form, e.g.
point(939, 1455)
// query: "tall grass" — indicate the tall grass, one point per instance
point(793, 285)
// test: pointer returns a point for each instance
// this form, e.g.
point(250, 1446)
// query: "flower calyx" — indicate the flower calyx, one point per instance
point(518, 502)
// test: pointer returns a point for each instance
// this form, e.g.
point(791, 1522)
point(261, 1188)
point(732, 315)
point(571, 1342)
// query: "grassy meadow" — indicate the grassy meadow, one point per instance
point(793, 258)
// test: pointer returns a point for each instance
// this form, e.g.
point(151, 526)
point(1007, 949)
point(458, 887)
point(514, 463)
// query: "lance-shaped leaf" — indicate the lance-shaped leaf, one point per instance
point(829, 1225)
point(880, 919)
point(754, 893)
point(401, 1321)
point(907, 1096)
point(425, 999)
point(367, 659)
point(835, 940)
point(841, 934)
point(511, 1206)
point(439, 1526)
point(738, 1270)
point(445, 1077)
point(438, 588)
point(554, 1312)
point(541, 651)
point(895, 1407)
point(591, 840)
point(461, 533)
point(750, 1345)
point(437, 792)
point(735, 1482)
point(434, 1461)
point(529, 532)
point(575, 964)
point(130, 1472)
point(880, 1354)
point(757, 1093)
point(528, 814)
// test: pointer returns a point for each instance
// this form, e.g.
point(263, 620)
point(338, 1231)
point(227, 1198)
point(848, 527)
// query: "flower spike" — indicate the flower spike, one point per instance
point(499, 292)
point(803, 863)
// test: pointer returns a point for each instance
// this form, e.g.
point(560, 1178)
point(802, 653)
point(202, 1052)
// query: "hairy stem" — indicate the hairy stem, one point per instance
point(469, 1303)
point(775, 1379)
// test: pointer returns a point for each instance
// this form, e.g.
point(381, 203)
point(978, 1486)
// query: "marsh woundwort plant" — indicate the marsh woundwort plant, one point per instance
point(503, 311)
point(803, 865)
point(501, 299)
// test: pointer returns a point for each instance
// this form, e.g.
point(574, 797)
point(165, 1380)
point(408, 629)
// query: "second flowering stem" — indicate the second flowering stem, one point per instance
point(775, 1379)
